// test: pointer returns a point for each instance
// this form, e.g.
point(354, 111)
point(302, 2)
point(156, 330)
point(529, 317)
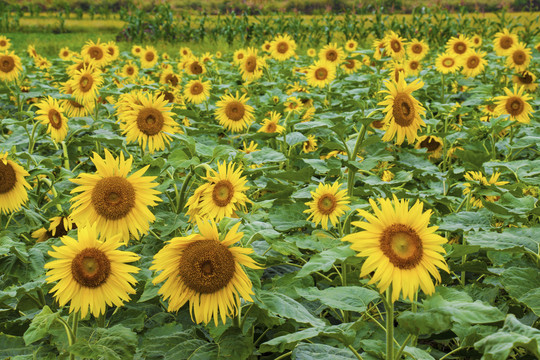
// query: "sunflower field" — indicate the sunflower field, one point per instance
point(370, 197)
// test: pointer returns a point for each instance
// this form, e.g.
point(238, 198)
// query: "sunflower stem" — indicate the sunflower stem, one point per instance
point(69, 333)
point(352, 170)
point(389, 306)
point(284, 355)
point(358, 356)
point(31, 141)
point(75, 325)
point(101, 320)
point(442, 88)
point(180, 203)
point(66, 155)
point(414, 309)
point(400, 351)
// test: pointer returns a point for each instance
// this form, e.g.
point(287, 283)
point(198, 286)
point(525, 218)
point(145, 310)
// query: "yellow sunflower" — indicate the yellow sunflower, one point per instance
point(400, 247)
point(252, 65)
point(52, 115)
point(266, 46)
point(503, 42)
point(473, 63)
point(321, 73)
point(115, 202)
point(413, 67)
point(332, 53)
point(85, 84)
point(398, 70)
point(433, 145)
point(351, 45)
point(233, 113)
point(283, 47)
point(149, 57)
point(112, 50)
point(476, 41)
point(488, 111)
point(515, 104)
point(136, 50)
point(350, 66)
point(311, 52)
point(197, 91)
point(394, 45)
point(328, 204)
point(31, 50)
point(310, 145)
point(519, 57)
point(239, 56)
point(249, 148)
point(207, 57)
point(206, 271)
point(195, 67)
point(185, 52)
point(73, 108)
point(130, 70)
point(380, 49)
point(10, 66)
point(65, 53)
point(149, 122)
point(526, 79)
point(417, 49)
point(479, 182)
point(447, 63)
point(458, 46)
point(59, 226)
point(271, 125)
point(403, 111)
point(96, 53)
point(13, 186)
point(222, 194)
point(168, 77)
point(5, 43)
point(293, 104)
point(91, 274)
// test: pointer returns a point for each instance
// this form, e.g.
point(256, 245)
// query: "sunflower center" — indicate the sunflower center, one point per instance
point(86, 82)
point(223, 193)
point(460, 47)
point(3, 43)
point(172, 79)
point(235, 110)
point(321, 73)
point(55, 119)
point(149, 56)
point(150, 121)
point(196, 88)
point(271, 127)
point(110, 50)
point(473, 62)
point(282, 47)
point(448, 62)
point(113, 197)
point(395, 45)
point(65, 53)
point(506, 42)
point(417, 48)
point(91, 267)
point(331, 55)
point(526, 78)
point(351, 45)
point(75, 104)
point(6, 63)
point(130, 70)
point(95, 52)
point(206, 266)
point(196, 68)
point(519, 57)
point(515, 105)
point(430, 144)
point(327, 204)
point(476, 40)
point(167, 96)
point(8, 178)
point(377, 124)
point(402, 246)
point(403, 110)
point(413, 65)
point(251, 63)
point(349, 64)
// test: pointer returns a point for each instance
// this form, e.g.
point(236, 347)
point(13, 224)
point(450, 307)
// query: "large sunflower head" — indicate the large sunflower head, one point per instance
point(13, 186)
point(332, 53)
point(515, 104)
point(205, 269)
point(234, 113)
point(328, 204)
point(51, 114)
point(394, 45)
point(473, 63)
point(504, 40)
point(149, 57)
point(252, 65)
point(197, 91)
point(10, 66)
point(113, 200)
point(403, 111)
point(85, 84)
point(458, 46)
point(519, 57)
point(283, 47)
point(321, 73)
point(447, 63)
point(96, 52)
point(91, 274)
point(417, 49)
point(401, 249)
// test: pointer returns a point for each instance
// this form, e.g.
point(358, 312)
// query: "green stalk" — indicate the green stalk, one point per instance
point(66, 155)
point(180, 203)
point(442, 88)
point(31, 141)
point(389, 306)
point(352, 173)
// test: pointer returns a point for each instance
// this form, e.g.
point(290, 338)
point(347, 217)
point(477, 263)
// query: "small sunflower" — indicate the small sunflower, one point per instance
point(5, 43)
point(519, 57)
point(130, 70)
point(266, 46)
point(433, 145)
point(96, 53)
point(31, 50)
point(310, 145)
point(233, 113)
point(73, 108)
point(479, 182)
point(476, 41)
point(207, 57)
point(64, 53)
point(271, 125)
point(503, 42)
point(283, 47)
point(52, 115)
point(515, 104)
point(13, 186)
point(473, 63)
point(458, 46)
point(251, 66)
point(417, 49)
point(168, 77)
point(249, 148)
point(10, 66)
point(206, 271)
point(197, 91)
point(398, 70)
point(403, 111)
point(239, 56)
point(311, 52)
point(332, 53)
point(447, 63)
point(149, 57)
point(321, 73)
point(59, 226)
point(413, 67)
point(394, 45)
point(185, 52)
point(400, 247)
point(379, 45)
point(351, 45)
point(328, 204)
point(488, 111)
point(293, 104)
point(136, 50)
point(85, 84)
point(91, 274)
point(350, 66)
point(115, 202)
point(112, 50)
point(526, 79)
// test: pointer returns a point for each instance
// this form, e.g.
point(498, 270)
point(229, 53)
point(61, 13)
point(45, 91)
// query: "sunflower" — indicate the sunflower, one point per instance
point(148, 57)
point(518, 57)
point(130, 70)
point(526, 79)
point(271, 126)
point(207, 57)
point(403, 111)
point(168, 77)
point(218, 54)
point(73, 108)
point(387, 176)
point(95, 52)
point(136, 50)
point(91, 273)
point(479, 182)
point(351, 45)
point(252, 65)
point(433, 145)
point(293, 104)
point(283, 47)
point(328, 204)
point(5, 43)
point(65, 53)
point(321, 73)
point(59, 226)
point(488, 111)
point(503, 42)
point(239, 56)
point(195, 67)
point(197, 91)
point(412, 67)
point(476, 41)
point(249, 148)
point(13, 186)
point(350, 66)
point(221, 196)
point(31, 50)
point(115, 202)
point(266, 46)
point(310, 145)
point(206, 271)
point(185, 52)
point(149, 122)
point(42, 62)
point(380, 49)
point(515, 104)
point(52, 115)
point(394, 45)
point(78, 65)
point(233, 113)
point(398, 70)
point(311, 52)
point(417, 49)
point(10, 66)
point(332, 53)
point(85, 84)
point(112, 50)
point(473, 63)
point(447, 63)
point(458, 46)
point(400, 247)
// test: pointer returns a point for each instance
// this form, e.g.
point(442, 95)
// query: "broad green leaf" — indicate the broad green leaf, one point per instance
point(13, 346)
point(418, 354)
point(40, 325)
point(266, 155)
point(283, 306)
point(523, 284)
point(114, 343)
point(287, 217)
point(193, 349)
point(295, 138)
point(325, 260)
point(466, 221)
point(512, 239)
point(350, 298)
point(321, 352)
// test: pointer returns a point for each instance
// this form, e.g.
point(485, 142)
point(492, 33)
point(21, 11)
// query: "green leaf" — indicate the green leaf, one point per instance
point(235, 345)
point(287, 217)
point(320, 352)
point(508, 204)
point(193, 349)
point(523, 284)
point(266, 155)
point(114, 343)
point(418, 354)
point(40, 325)
point(13, 346)
point(512, 335)
point(283, 306)
point(349, 298)
point(295, 138)
point(512, 239)
point(325, 260)
point(466, 221)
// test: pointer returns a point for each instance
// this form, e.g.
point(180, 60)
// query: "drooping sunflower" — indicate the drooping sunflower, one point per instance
point(321, 74)
point(13, 186)
point(473, 63)
point(433, 145)
point(252, 65)
point(310, 145)
point(447, 63)
point(519, 57)
point(115, 202)
point(458, 46)
point(515, 104)
point(5, 43)
point(526, 79)
point(64, 53)
point(379, 45)
point(206, 271)
point(400, 247)
point(417, 49)
point(403, 111)
point(222, 194)
point(394, 45)
point(91, 274)
point(233, 113)
point(149, 122)
point(328, 204)
point(197, 91)
point(31, 50)
point(96, 53)
point(351, 45)
point(85, 84)
point(10, 66)
point(332, 53)
point(51, 114)
point(283, 47)
point(59, 226)
point(168, 77)
point(74, 108)
point(504, 40)
point(271, 125)
point(479, 182)
point(195, 67)
point(149, 57)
